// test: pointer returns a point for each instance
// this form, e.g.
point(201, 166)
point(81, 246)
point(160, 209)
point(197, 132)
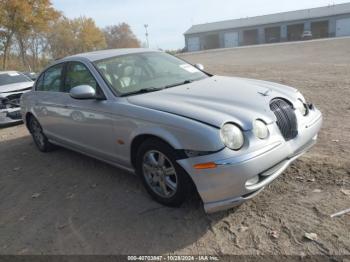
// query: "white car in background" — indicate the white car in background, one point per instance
point(307, 35)
point(12, 85)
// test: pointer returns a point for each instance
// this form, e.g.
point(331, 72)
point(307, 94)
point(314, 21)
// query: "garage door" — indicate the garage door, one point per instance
point(231, 39)
point(193, 44)
point(343, 27)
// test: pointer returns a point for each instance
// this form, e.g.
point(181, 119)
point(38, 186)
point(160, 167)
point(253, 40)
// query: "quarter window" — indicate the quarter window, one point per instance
point(77, 74)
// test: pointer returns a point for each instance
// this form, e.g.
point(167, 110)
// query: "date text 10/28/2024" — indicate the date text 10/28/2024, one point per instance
point(173, 258)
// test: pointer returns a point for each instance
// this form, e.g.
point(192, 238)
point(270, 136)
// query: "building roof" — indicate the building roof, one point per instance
point(271, 19)
point(103, 54)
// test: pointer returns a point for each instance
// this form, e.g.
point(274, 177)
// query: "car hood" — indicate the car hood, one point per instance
point(217, 100)
point(16, 87)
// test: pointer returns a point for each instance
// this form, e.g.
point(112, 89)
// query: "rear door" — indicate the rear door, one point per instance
point(50, 104)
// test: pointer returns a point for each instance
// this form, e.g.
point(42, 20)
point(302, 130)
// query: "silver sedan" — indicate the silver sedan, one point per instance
point(182, 130)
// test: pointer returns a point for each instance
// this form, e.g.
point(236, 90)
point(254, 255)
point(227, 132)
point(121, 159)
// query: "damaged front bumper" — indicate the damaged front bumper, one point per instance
point(10, 116)
point(10, 109)
point(237, 178)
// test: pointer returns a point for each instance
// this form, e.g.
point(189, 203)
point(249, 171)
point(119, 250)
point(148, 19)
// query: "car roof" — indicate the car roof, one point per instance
point(103, 54)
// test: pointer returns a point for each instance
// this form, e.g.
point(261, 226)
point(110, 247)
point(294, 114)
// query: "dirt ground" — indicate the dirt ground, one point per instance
point(66, 203)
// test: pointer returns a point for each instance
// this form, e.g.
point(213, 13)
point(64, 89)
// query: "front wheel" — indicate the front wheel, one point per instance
point(38, 135)
point(162, 177)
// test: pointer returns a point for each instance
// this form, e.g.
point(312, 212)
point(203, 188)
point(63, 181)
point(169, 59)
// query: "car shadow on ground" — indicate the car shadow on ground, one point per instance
point(63, 202)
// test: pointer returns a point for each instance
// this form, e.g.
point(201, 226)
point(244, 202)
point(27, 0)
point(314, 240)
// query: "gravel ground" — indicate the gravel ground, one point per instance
point(66, 203)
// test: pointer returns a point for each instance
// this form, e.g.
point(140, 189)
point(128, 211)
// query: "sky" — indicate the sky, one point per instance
point(168, 19)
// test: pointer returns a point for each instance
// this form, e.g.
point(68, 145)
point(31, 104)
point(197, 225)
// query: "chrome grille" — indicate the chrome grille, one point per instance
point(286, 119)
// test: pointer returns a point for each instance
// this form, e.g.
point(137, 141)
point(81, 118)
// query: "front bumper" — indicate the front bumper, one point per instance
point(10, 116)
point(226, 185)
point(10, 109)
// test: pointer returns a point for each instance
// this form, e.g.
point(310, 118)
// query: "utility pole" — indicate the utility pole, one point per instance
point(146, 26)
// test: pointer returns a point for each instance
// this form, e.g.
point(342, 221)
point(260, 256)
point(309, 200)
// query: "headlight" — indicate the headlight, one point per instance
point(232, 136)
point(260, 129)
point(301, 106)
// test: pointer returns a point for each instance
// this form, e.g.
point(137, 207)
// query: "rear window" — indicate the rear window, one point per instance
point(12, 78)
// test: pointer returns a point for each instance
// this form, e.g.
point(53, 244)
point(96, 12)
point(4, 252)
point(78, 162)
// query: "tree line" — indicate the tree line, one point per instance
point(33, 33)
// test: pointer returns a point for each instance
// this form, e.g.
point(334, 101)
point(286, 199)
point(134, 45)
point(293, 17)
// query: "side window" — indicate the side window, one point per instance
point(51, 79)
point(77, 74)
point(40, 83)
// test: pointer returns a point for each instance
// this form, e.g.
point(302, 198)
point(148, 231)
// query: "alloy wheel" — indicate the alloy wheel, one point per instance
point(37, 133)
point(160, 174)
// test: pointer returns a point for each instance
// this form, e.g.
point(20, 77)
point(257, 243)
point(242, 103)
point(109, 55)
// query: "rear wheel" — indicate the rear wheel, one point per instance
point(163, 178)
point(38, 135)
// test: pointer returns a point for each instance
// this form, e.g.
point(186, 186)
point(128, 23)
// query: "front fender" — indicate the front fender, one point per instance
point(182, 134)
point(179, 132)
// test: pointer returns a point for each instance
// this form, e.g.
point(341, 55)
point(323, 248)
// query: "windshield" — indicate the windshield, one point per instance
point(129, 74)
point(12, 78)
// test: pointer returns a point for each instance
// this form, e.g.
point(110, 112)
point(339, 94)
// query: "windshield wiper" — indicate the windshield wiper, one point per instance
point(178, 84)
point(143, 91)
point(153, 89)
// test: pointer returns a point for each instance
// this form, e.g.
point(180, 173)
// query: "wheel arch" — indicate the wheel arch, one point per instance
point(139, 139)
point(28, 115)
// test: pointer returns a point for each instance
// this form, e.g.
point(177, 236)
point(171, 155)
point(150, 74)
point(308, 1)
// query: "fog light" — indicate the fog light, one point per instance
point(252, 181)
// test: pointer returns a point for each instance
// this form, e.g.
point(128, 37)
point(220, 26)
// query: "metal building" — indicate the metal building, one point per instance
point(321, 22)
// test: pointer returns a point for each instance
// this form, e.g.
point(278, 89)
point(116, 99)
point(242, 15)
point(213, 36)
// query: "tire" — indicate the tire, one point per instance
point(40, 139)
point(152, 178)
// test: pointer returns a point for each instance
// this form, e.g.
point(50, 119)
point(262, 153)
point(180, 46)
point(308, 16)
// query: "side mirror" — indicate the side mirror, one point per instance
point(199, 66)
point(83, 92)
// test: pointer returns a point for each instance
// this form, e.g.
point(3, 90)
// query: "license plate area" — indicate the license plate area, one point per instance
point(14, 115)
point(3, 115)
